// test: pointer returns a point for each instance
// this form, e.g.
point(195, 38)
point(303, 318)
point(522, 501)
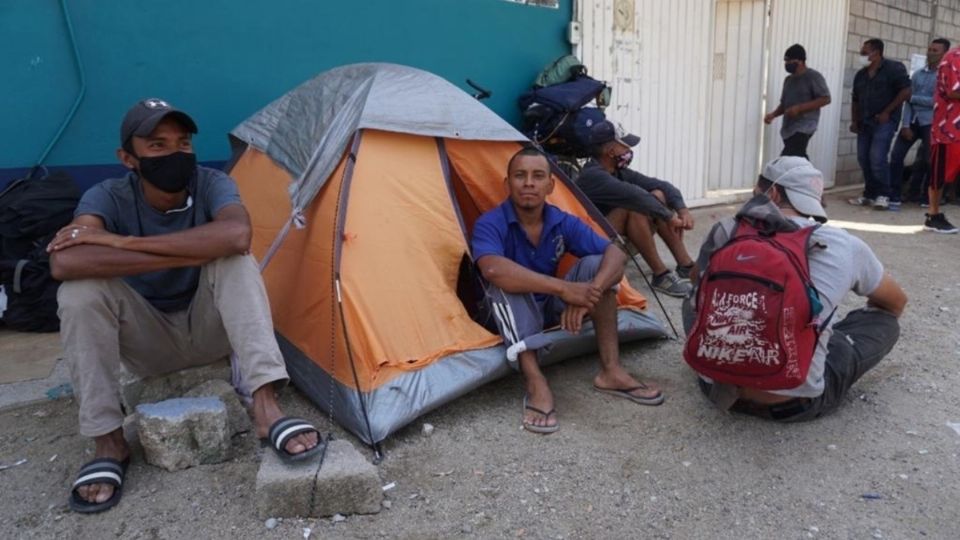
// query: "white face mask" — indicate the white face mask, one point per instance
point(864, 60)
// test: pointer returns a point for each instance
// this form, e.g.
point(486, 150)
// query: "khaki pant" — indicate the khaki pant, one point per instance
point(105, 322)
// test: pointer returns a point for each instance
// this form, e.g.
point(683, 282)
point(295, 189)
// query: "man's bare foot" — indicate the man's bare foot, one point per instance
point(114, 446)
point(617, 378)
point(266, 411)
point(539, 397)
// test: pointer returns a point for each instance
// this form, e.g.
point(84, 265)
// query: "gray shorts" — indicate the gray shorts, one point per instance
point(858, 344)
point(522, 320)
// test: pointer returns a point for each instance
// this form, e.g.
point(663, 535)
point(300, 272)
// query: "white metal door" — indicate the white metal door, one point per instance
point(658, 67)
point(736, 101)
point(821, 27)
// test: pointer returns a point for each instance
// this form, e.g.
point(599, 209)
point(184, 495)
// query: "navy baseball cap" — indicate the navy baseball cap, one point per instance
point(143, 118)
point(605, 131)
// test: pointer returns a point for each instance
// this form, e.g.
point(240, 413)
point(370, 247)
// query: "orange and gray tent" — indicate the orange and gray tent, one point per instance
point(363, 185)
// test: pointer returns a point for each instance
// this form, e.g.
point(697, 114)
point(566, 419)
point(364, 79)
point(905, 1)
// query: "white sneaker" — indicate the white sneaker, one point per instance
point(860, 201)
point(881, 203)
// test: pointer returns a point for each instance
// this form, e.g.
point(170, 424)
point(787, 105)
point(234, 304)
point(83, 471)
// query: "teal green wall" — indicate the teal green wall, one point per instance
point(222, 60)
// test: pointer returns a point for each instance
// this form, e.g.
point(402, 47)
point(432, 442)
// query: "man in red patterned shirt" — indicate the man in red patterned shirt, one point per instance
point(944, 139)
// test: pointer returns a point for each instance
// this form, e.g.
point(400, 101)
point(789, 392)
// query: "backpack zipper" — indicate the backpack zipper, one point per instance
point(763, 281)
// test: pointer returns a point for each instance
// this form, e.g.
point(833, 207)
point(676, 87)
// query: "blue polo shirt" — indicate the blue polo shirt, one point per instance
point(498, 232)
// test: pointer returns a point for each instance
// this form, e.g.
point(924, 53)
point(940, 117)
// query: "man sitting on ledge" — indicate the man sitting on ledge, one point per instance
point(157, 276)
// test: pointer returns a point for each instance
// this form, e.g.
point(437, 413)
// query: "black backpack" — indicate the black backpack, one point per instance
point(32, 210)
point(558, 117)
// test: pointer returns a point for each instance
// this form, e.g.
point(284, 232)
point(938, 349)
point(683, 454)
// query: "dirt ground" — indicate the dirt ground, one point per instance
point(884, 466)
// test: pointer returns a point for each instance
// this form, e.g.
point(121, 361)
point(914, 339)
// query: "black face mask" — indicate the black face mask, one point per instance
point(170, 173)
point(791, 67)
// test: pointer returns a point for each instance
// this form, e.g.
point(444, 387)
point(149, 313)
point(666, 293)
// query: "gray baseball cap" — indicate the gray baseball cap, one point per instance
point(802, 182)
point(144, 116)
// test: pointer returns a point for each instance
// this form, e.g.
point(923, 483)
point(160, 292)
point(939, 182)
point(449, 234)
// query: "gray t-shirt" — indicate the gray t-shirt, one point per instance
point(801, 89)
point(119, 202)
point(839, 263)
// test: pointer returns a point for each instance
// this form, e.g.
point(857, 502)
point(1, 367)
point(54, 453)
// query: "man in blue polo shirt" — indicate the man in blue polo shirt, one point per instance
point(517, 247)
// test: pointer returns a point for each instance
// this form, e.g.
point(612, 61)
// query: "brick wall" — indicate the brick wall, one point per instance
point(906, 27)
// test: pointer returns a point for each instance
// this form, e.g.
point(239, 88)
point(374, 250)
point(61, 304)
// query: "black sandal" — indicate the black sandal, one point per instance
point(287, 428)
point(99, 471)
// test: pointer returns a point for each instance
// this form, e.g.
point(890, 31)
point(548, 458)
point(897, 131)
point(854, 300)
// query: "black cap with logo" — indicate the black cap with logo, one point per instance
point(143, 118)
point(605, 131)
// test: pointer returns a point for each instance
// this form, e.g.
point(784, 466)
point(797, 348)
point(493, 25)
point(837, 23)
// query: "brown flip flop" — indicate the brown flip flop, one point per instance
point(626, 393)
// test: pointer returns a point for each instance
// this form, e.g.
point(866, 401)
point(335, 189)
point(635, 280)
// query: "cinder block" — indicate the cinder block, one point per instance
point(898, 35)
point(134, 391)
point(886, 33)
point(184, 432)
point(856, 8)
point(130, 433)
point(238, 419)
point(347, 483)
point(883, 13)
point(285, 489)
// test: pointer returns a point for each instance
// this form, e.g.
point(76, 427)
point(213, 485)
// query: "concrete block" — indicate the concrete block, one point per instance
point(131, 433)
point(853, 40)
point(345, 484)
point(184, 432)
point(886, 33)
point(898, 34)
point(238, 419)
point(856, 8)
point(134, 390)
point(285, 489)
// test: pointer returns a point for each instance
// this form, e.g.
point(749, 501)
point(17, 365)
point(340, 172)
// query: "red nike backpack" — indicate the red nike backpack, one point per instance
point(757, 310)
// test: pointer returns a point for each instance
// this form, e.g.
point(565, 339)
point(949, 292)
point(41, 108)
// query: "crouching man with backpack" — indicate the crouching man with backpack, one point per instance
point(761, 331)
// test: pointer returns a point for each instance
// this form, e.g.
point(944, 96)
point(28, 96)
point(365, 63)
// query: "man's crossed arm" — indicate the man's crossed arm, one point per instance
point(84, 249)
point(580, 298)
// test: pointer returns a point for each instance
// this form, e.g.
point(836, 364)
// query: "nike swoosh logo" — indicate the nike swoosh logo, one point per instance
point(741, 258)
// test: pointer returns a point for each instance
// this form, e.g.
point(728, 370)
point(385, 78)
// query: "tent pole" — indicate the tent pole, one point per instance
point(623, 245)
point(344, 196)
point(353, 367)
